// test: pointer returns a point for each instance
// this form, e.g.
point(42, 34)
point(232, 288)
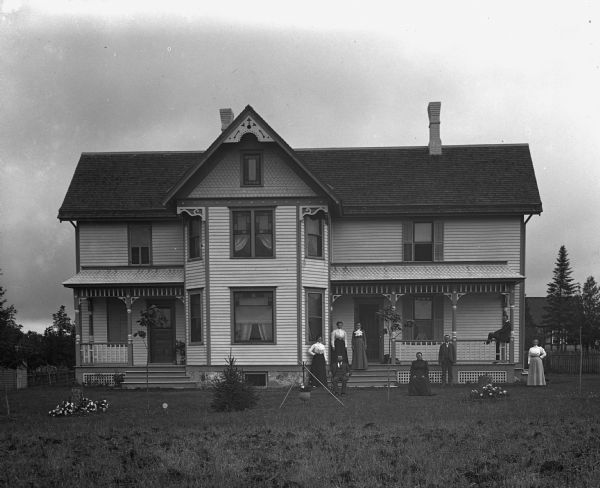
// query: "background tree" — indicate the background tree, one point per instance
point(589, 312)
point(560, 309)
point(59, 340)
point(10, 335)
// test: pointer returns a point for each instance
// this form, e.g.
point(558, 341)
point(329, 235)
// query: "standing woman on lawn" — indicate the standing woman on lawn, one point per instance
point(359, 348)
point(536, 367)
point(317, 367)
point(338, 342)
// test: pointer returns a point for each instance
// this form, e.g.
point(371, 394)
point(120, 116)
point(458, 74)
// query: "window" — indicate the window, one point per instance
point(195, 237)
point(196, 317)
point(251, 169)
point(258, 380)
point(252, 233)
point(116, 313)
point(314, 236)
point(253, 316)
point(140, 241)
point(423, 326)
point(423, 241)
point(314, 315)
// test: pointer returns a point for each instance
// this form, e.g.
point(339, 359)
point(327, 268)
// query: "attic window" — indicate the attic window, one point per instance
point(251, 169)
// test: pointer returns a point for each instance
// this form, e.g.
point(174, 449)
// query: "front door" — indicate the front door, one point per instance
point(162, 338)
point(371, 323)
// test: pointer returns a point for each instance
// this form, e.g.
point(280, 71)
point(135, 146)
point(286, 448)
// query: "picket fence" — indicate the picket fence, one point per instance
point(568, 362)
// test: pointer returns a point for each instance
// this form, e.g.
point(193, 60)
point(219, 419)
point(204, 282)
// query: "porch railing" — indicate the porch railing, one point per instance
point(467, 351)
point(104, 353)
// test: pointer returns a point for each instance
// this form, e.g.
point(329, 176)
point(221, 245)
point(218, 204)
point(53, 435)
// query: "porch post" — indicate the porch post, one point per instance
point(90, 310)
point(76, 304)
point(128, 304)
point(454, 297)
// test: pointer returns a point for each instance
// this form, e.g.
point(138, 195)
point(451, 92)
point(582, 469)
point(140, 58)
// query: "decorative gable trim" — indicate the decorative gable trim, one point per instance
point(312, 211)
point(248, 126)
point(192, 211)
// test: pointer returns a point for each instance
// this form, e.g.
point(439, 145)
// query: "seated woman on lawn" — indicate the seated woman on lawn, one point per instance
point(419, 377)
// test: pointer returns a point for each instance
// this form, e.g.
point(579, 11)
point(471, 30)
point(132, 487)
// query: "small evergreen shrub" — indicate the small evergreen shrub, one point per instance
point(230, 390)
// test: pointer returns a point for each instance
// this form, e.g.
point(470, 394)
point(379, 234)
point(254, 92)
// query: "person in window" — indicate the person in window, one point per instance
point(341, 373)
point(338, 342)
point(359, 348)
point(419, 377)
point(318, 367)
point(536, 367)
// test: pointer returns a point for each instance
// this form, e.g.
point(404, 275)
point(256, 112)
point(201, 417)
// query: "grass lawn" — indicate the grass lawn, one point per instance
point(536, 437)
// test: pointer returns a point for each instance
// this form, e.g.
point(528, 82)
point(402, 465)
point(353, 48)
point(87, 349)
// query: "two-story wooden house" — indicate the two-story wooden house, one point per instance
point(254, 248)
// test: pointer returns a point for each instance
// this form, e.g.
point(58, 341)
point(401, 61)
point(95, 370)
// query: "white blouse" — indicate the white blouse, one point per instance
point(536, 352)
point(316, 348)
point(338, 334)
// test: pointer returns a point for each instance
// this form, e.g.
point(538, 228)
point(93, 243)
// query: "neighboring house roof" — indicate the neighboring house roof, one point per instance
point(423, 272)
point(129, 276)
point(477, 179)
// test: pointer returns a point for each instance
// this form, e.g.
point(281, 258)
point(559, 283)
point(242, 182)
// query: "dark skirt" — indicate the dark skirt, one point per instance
point(318, 369)
point(339, 349)
point(419, 386)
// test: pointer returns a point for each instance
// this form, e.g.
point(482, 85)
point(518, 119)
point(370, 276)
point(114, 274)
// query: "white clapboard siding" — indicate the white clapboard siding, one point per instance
point(103, 244)
point(483, 240)
point(278, 178)
point(360, 240)
point(100, 320)
point(167, 243)
point(476, 316)
point(279, 273)
point(84, 322)
point(195, 274)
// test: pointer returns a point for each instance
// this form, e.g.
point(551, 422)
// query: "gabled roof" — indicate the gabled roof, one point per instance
point(476, 179)
point(407, 180)
point(247, 112)
point(124, 185)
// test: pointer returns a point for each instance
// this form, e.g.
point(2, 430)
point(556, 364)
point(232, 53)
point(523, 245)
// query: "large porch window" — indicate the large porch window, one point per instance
point(423, 325)
point(253, 316)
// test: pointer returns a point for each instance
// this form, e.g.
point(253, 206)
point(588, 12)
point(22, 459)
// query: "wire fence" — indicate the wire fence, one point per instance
point(51, 377)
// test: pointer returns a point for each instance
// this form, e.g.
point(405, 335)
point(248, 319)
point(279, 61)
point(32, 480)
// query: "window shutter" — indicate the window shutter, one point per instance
point(438, 317)
point(407, 241)
point(438, 241)
point(407, 314)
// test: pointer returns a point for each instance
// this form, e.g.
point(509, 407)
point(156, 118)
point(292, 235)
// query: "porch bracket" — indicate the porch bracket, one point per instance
point(333, 299)
point(313, 210)
point(191, 211)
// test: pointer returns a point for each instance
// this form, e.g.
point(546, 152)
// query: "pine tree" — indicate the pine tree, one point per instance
point(560, 309)
point(230, 390)
point(59, 340)
point(11, 334)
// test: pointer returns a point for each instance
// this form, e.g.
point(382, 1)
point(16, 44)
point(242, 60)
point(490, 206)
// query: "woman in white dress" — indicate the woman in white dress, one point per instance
point(338, 342)
point(536, 367)
point(318, 367)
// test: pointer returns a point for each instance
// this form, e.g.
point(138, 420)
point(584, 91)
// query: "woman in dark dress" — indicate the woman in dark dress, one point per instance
point(318, 367)
point(419, 377)
point(359, 348)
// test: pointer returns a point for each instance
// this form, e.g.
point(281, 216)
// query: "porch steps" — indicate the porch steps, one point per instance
point(158, 377)
point(375, 376)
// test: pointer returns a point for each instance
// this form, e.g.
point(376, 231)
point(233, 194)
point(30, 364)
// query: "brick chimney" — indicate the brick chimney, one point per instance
point(226, 118)
point(435, 143)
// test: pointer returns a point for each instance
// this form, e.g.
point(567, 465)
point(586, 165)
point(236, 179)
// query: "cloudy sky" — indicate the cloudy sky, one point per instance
point(103, 76)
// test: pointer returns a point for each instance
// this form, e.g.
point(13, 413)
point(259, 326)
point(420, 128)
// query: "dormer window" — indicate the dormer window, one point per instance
point(251, 169)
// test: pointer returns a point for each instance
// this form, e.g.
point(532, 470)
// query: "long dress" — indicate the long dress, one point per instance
point(536, 367)
point(359, 350)
point(318, 367)
point(419, 378)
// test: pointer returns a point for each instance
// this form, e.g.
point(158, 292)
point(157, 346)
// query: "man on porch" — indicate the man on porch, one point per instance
point(447, 357)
